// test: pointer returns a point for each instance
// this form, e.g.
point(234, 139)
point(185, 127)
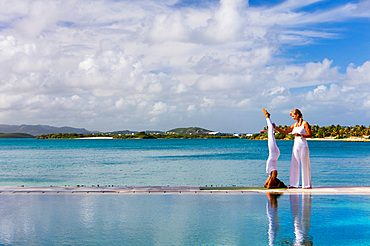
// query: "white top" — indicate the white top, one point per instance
point(300, 141)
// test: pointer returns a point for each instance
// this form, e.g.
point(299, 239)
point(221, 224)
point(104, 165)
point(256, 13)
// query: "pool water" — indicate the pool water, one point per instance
point(184, 219)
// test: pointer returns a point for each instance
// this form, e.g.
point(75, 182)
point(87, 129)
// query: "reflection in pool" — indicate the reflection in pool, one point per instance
point(300, 207)
point(184, 219)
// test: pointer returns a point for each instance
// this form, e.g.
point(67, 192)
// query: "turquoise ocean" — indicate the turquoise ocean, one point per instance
point(179, 219)
point(173, 162)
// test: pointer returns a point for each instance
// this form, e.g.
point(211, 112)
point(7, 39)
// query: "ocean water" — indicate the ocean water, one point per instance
point(178, 219)
point(174, 162)
point(184, 219)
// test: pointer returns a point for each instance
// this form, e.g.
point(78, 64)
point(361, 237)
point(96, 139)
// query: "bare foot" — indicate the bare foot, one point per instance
point(267, 114)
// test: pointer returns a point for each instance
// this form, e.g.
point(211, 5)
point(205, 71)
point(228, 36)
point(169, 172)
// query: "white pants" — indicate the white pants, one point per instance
point(274, 152)
point(301, 155)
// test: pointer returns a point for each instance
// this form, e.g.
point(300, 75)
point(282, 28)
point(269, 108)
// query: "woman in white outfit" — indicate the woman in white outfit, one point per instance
point(301, 154)
point(271, 164)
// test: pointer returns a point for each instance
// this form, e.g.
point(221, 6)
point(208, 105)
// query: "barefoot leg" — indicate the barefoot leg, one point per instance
point(267, 115)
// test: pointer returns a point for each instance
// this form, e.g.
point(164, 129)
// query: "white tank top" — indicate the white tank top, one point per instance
point(300, 141)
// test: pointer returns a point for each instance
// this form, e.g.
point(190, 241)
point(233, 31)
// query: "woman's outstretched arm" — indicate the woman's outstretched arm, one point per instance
point(285, 132)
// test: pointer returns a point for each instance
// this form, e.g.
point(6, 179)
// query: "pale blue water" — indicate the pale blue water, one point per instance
point(183, 219)
point(178, 219)
point(173, 162)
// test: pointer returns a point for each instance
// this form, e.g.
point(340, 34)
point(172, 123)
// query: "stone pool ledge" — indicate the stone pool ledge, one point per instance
point(329, 190)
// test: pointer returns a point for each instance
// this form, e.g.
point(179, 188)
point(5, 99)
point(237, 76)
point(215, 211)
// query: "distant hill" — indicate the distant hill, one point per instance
point(37, 130)
point(15, 135)
point(190, 131)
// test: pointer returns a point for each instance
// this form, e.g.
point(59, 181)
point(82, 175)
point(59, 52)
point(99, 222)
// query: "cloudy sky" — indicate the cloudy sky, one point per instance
point(156, 65)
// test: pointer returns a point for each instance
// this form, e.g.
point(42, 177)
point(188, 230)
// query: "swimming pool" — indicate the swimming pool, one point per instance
point(184, 219)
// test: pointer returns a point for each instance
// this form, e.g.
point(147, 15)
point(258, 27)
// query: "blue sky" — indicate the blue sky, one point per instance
point(155, 65)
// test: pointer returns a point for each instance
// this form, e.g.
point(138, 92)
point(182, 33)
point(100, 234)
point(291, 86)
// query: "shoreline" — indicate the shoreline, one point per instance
point(351, 139)
point(94, 138)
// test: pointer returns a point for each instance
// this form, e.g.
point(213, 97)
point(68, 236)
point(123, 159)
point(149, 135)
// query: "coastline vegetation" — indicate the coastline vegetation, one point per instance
point(140, 135)
point(336, 132)
point(62, 136)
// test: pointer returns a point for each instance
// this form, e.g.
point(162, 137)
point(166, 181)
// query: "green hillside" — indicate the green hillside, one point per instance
point(190, 131)
point(37, 130)
point(15, 135)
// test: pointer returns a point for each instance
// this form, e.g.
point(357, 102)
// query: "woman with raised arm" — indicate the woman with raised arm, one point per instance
point(301, 154)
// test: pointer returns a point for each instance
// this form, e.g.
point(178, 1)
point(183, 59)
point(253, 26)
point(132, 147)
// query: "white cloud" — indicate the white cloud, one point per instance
point(159, 108)
point(319, 71)
point(308, 75)
point(344, 100)
point(225, 23)
point(169, 26)
point(149, 64)
point(40, 15)
point(359, 75)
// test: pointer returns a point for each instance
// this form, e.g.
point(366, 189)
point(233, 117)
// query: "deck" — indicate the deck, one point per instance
point(329, 190)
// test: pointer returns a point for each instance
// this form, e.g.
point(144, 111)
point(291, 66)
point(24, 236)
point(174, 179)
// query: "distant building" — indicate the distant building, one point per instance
point(214, 133)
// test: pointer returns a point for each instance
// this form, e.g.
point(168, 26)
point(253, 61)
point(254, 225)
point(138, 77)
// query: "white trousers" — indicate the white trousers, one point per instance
point(274, 152)
point(300, 155)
